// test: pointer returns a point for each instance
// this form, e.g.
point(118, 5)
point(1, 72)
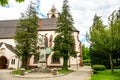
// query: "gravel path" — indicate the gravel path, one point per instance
point(83, 73)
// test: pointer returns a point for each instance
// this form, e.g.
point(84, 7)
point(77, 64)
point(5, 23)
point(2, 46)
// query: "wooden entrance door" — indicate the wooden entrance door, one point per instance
point(3, 62)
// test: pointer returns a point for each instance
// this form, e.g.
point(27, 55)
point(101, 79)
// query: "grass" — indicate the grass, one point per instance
point(59, 71)
point(18, 71)
point(64, 71)
point(106, 75)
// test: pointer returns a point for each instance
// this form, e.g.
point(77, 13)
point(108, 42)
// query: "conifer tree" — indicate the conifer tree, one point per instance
point(64, 44)
point(26, 34)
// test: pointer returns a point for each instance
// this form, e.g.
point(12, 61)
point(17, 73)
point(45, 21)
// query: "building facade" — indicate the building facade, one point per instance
point(46, 36)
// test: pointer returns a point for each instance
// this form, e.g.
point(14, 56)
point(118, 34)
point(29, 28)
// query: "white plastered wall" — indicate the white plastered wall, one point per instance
point(10, 55)
point(72, 61)
point(76, 61)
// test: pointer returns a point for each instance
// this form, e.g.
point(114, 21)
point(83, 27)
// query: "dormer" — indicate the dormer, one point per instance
point(53, 13)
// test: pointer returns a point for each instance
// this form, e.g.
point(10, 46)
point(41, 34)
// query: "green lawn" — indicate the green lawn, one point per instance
point(18, 71)
point(64, 71)
point(106, 75)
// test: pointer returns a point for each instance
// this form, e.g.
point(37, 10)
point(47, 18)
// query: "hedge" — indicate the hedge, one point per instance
point(87, 62)
point(98, 67)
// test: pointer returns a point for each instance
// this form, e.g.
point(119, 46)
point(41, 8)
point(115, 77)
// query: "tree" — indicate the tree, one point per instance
point(64, 43)
point(99, 39)
point(85, 52)
point(26, 34)
point(114, 23)
point(105, 41)
point(5, 2)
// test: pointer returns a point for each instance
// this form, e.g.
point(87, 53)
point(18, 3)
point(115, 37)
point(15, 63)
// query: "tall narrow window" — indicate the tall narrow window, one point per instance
point(46, 41)
point(50, 41)
point(36, 58)
point(73, 47)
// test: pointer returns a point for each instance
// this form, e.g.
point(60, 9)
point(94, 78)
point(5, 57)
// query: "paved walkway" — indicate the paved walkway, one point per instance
point(83, 73)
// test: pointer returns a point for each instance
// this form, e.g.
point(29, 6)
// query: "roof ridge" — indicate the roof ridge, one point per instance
point(10, 47)
point(1, 44)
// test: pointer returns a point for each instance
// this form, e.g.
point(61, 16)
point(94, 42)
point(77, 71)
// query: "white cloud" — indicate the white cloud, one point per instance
point(7, 13)
point(82, 11)
point(13, 11)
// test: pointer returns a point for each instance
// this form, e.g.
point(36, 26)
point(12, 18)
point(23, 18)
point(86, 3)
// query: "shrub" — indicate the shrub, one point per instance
point(99, 67)
point(64, 71)
point(87, 62)
point(117, 67)
point(16, 72)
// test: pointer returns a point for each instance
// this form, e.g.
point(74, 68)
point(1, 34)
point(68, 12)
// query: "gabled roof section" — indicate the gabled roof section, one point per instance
point(1, 44)
point(53, 13)
point(48, 24)
point(53, 9)
point(8, 27)
point(8, 46)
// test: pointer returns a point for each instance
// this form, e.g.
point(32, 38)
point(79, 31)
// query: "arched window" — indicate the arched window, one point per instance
point(55, 60)
point(50, 41)
point(46, 41)
point(73, 47)
point(53, 16)
point(36, 59)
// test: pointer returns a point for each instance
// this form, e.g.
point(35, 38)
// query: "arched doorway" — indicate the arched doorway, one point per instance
point(3, 62)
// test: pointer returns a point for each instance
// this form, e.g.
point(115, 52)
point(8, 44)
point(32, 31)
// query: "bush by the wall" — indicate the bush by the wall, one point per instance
point(117, 67)
point(99, 67)
point(87, 62)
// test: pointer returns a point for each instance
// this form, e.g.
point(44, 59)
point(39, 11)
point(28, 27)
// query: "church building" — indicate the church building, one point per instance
point(46, 36)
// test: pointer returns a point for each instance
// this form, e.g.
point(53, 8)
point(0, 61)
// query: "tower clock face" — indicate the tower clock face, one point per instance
point(53, 10)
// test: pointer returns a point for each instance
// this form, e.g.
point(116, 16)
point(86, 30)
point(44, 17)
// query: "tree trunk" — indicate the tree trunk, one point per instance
point(24, 62)
point(111, 62)
point(65, 63)
point(117, 61)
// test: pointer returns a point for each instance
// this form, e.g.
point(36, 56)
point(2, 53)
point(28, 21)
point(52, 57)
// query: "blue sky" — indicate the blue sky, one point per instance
point(82, 11)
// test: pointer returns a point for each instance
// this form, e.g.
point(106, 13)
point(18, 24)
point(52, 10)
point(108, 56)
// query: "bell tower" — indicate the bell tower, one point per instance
point(53, 13)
